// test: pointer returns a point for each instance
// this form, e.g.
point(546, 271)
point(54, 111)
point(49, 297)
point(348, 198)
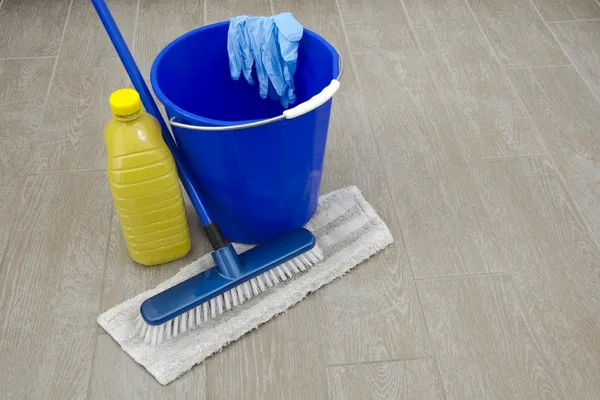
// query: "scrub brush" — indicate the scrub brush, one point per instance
point(237, 292)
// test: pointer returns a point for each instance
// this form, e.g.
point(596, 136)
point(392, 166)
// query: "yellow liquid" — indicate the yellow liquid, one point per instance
point(145, 188)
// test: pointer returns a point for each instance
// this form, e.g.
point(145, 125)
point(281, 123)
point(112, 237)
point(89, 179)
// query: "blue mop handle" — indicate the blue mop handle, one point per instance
point(140, 85)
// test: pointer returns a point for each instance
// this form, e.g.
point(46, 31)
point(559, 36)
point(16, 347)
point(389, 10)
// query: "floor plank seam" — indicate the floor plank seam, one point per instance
point(573, 20)
point(539, 66)
point(439, 374)
point(54, 68)
point(68, 171)
point(515, 157)
point(136, 25)
point(392, 360)
point(13, 224)
point(427, 328)
point(462, 276)
point(443, 100)
point(101, 296)
point(26, 58)
point(535, 333)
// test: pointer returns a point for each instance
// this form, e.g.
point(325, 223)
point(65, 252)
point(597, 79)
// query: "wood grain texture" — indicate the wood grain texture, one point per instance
point(160, 22)
point(565, 10)
point(117, 376)
point(399, 380)
point(520, 37)
point(23, 88)
point(427, 173)
point(30, 28)
point(555, 265)
point(484, 345)
point(566, 112)
point(482, 107)
point(88, 71)
point(51, 281)
point(280, 360)
point(217, 10)
point(10, 186)
point(580, 41)
point(378, 26)
point(382, 320)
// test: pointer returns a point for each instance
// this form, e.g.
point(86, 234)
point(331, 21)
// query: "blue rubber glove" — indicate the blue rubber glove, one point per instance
point(270, 44)
point(290, 33)
point(238, 49)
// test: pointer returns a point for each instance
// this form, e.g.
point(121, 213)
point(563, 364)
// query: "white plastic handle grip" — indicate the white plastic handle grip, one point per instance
point(313, 102)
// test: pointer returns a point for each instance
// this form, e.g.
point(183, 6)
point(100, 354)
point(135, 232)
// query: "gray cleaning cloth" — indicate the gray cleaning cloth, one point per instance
point(346, 227)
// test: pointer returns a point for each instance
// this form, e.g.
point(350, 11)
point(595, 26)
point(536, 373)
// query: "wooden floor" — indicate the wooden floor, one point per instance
point(473, 127)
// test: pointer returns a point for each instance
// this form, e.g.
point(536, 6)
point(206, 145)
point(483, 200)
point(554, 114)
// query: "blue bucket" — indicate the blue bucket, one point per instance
point(257, 165)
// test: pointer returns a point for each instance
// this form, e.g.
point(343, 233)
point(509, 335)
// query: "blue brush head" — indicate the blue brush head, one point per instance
point(223, 282)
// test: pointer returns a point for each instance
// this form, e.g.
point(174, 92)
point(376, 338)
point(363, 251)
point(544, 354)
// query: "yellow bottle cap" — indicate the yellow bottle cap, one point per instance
point(125, 102)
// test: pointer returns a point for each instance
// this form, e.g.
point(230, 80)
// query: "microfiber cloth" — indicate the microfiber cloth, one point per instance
point(346, 227)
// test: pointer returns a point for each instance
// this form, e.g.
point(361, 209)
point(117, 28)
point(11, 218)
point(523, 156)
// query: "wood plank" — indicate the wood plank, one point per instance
point(70, 137)
point(160, 22)
point(580, 41)
point(218, 10)
point(400, 380)
point(520, 37)
point(566, 111)
point(117, 376)
point(555, 264)
point(353, 159)
point(484, 345)
point(482, 107)
point(23, 87)
point(30, 28)
point(51, 282)
point(565, 10)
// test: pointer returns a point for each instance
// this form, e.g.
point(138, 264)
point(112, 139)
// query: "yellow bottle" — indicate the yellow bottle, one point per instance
point(144, 183)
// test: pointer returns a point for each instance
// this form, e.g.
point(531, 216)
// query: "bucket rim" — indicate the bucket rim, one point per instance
point(197, 119)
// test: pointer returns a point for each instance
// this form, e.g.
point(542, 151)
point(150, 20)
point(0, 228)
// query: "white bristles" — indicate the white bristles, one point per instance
point(227, 298)
point(234, 297)
point(213, 307)
point(267, 278)
point(156, 334)
point(261, 284)
point(247, 290)
point(205, 311)
point(169, 328)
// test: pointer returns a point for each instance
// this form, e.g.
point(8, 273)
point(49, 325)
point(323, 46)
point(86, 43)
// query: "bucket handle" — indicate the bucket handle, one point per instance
point(301, 109)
